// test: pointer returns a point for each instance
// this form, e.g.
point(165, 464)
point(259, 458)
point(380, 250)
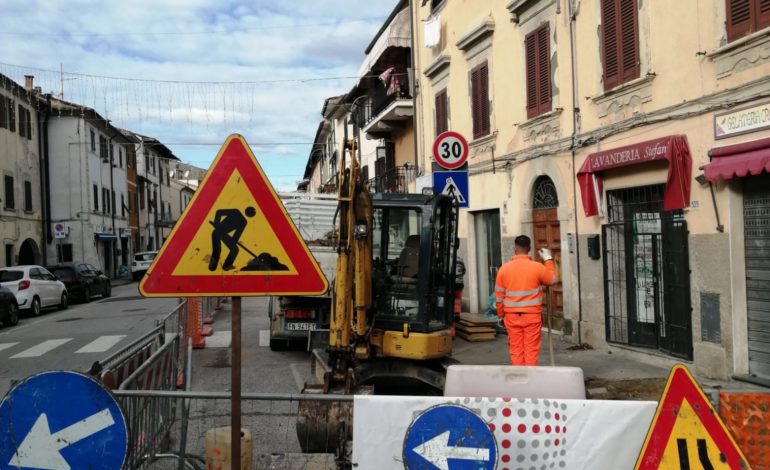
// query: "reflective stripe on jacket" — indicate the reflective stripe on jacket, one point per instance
point(517, 288)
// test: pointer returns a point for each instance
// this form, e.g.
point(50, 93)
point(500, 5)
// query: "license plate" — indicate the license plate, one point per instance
point(300, 326)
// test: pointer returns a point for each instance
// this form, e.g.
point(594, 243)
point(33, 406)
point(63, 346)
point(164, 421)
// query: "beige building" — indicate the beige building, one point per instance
point(590, 125)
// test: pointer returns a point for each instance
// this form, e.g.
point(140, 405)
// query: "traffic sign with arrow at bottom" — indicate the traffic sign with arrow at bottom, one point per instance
point(61, 420)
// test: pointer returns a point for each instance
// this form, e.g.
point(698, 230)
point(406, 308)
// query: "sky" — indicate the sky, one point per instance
point(192, 72)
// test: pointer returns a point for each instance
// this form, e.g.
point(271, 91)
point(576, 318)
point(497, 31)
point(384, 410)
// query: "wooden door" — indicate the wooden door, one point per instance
point(547, 234)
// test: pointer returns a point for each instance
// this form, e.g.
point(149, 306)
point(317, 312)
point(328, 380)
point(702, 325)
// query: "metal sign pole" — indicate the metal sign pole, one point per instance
point(235, 423)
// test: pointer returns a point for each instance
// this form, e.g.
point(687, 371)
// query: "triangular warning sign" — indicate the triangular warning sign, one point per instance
point(234, 238)
point(686, 432)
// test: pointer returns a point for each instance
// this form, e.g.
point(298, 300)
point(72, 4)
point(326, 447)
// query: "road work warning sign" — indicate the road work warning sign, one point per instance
point(235, 238)
point(686, 432)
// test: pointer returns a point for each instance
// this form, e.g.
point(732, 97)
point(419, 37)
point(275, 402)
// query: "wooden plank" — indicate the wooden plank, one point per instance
point(476, 337)
point(476, 319)
point(474, 329)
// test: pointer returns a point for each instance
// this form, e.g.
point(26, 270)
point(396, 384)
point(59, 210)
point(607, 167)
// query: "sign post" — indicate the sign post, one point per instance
point(236, 239)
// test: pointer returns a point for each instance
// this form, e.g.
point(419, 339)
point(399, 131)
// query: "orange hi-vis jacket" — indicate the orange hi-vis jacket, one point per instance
point(517, 289)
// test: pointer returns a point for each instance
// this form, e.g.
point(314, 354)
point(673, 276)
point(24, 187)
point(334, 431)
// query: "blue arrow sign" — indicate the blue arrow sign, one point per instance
point(61, 420)
point(449, 437)
point(452, 183)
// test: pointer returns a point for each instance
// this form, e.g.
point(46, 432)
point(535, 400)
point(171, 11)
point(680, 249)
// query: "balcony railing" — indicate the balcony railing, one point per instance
point(330, 186)
point(375, 104)
point(394, 181)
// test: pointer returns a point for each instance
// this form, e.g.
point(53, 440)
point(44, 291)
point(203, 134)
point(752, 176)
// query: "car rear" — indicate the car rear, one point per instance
point(141, 263)
point(71, 279)
point(17, 281)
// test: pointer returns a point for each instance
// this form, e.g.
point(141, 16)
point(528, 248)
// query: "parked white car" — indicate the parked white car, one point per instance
point(141, 263)
point(34, 287)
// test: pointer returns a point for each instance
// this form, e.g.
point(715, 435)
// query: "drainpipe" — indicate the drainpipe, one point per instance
point(575, 129)
point(415, 120)
point(44, 177)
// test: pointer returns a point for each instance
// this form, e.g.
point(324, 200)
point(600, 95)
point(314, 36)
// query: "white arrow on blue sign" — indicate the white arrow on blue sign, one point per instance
point(449, 437)
point(452, 183)
point(61, 420)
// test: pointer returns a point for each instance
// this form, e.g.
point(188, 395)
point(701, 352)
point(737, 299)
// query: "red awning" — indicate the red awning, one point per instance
point(673, 148)
point(750, 158)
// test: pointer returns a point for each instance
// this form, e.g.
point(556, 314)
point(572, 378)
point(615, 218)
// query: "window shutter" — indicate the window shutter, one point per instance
point(476, 103)
point(738, 18)
point(544, 69)
point(11, 116)
point(629, 34)
point(22, 122)
point(610, 43)
point(29, 124)
point(3, 113)
point(530, 46)
point(484, 86)
point(763, 14)
point(441, 112)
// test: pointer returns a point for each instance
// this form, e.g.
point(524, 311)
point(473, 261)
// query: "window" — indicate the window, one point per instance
point(105, 200)
point(112, 152)
point(114, 208)
point(122, 205)
point(22, 121)
point(620, 41)
point(3, 113)
point(120, 157)
point(29, 124)
point(9, 255)
point(435, 4)
point(11, 116)
point(9, 202)
point(96, 198)
point(442, 112)
point(480, 100)
point(103, 148)
point(537, 47)
point(28, 196)
point(141, 198)
point(64, 252)
point(93, 141)
point(746, 16)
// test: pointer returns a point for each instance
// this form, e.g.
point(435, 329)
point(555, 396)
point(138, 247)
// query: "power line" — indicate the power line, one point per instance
point(191, 33)
point(186, 82)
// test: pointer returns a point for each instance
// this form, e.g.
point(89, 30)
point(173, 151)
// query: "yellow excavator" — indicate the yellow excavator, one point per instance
point(392, 302)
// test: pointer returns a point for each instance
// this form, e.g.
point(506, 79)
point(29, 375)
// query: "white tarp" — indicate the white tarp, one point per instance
point(559, 434)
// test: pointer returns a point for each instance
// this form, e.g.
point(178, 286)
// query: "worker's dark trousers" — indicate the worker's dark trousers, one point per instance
point(216, 247)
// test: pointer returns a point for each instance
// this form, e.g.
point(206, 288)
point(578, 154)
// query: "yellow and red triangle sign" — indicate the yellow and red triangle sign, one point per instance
point(686, 432)
point(235, 238)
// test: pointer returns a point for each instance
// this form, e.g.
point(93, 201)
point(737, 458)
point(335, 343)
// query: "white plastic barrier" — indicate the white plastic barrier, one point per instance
point(515, 382)
point(442, 433)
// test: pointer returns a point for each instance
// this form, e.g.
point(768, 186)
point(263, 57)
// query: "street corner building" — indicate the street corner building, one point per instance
point(641, 166)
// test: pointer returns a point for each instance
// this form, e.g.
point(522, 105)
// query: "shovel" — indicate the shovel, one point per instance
point(263, 262)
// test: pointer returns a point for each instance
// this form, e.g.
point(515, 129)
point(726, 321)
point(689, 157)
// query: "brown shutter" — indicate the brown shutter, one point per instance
point(738, 18)
point(22, 122)
point(29, 125)
point(544, 69)
point(3, 113)
point(476, 103)
point(610, 44)
point(629, 34)
point(11, 116)
point(763, 14)
point(530, 46)
point(441, 112)
point(484, 90)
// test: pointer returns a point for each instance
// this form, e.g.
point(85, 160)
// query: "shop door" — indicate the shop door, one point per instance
point(756, 220)
point(646, 272)
point(488, 254)
point(546, 233)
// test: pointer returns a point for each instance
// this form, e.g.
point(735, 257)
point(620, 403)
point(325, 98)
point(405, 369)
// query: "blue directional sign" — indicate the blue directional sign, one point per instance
point(449, 437)
point(452, 183)
point(61, 420)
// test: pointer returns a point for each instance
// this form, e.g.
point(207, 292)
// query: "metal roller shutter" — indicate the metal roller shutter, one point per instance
point(756, 213)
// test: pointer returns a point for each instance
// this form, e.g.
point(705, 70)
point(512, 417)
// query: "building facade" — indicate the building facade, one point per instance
point(642, 166)
point(153, 186)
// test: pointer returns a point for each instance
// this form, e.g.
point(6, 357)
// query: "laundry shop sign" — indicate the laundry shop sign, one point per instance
point(647, 151)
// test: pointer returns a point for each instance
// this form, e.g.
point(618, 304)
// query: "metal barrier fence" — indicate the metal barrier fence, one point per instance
point(271, 419)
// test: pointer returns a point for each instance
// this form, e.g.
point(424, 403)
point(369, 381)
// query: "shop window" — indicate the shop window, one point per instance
point(480, 100)
point(746, 16)
point(538, 62)
point(620, 41)
point(442, 112)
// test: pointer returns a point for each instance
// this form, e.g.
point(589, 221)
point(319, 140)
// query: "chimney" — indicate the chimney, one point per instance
point(28, 79)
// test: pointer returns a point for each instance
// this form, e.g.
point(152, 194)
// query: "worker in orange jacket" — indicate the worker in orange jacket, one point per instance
point(519, 300)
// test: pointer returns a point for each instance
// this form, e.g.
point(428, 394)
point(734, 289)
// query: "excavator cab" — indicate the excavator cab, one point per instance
point(414, 250)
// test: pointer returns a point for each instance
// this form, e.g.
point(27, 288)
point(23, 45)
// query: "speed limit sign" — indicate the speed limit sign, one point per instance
point(450, 150)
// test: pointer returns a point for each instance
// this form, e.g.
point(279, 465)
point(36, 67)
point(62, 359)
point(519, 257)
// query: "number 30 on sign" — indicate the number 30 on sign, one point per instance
point(450, 150)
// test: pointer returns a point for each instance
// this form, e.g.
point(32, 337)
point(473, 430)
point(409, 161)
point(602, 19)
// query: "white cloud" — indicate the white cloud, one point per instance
point(259, 41)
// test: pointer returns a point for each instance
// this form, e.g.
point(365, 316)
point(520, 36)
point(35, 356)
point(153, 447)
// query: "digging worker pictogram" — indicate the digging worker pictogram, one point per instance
point(519, 300)
point(229, 225)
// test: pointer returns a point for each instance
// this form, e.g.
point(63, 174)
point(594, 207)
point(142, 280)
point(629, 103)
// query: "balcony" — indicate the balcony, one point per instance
point(393, 181)
point(330, 186)
point(381, 114)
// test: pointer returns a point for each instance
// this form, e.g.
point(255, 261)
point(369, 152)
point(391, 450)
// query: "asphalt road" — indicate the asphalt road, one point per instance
point(75, 338)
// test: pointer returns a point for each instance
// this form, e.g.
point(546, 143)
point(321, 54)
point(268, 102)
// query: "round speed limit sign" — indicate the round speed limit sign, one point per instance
point(450, 150)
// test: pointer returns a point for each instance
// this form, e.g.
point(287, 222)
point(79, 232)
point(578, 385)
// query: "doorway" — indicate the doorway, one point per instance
point(756, 229)
point(488, 254)
point(29, 253)
point(546, 233)
point(646, 272)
